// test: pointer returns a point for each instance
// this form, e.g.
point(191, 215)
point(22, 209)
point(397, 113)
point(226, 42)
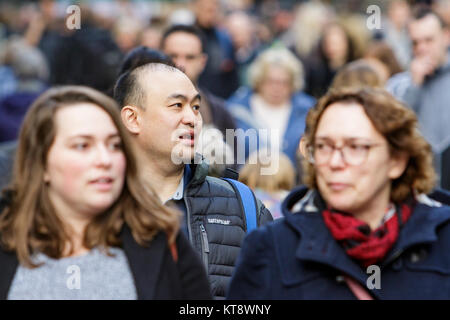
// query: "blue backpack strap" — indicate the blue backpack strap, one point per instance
point(248, 202)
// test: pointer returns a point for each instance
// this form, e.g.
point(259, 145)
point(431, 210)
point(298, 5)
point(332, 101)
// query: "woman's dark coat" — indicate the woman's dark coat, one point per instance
point(296, 257)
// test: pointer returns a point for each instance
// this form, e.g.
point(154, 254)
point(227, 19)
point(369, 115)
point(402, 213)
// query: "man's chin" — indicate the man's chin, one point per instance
point(183, 154)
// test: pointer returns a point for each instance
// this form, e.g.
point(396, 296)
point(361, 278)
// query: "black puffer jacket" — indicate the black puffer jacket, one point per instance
point(217, 225)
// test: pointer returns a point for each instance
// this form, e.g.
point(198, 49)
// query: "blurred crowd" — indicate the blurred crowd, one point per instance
point(37, 49)
point(242, 41)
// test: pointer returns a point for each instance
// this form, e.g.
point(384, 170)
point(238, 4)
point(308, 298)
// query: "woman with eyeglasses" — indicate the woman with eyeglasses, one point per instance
point(364, 227)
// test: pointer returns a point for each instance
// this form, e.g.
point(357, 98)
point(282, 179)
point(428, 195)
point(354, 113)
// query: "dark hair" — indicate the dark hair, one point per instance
point(350, 56)
point(127, 89)
point(358, 73)
point(383, 52)
point(422, 11)
point(186, 29)
point(143, 55)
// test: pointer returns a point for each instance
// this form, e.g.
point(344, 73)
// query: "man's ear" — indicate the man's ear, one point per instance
point(131, 118)
point(204, 60)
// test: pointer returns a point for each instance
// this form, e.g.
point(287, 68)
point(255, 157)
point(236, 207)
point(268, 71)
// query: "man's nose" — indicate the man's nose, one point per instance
point(421, 49)
point(189, 116)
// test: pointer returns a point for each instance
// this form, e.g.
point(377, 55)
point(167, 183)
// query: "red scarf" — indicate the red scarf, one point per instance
point(366, 246)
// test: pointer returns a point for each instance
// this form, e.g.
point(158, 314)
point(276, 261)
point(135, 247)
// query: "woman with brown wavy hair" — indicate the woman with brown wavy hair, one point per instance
point(77, 206)
point(364, 227)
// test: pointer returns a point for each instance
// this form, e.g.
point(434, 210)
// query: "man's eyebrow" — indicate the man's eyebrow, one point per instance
point(177, 96)
point(197, 97)
point(183, 97)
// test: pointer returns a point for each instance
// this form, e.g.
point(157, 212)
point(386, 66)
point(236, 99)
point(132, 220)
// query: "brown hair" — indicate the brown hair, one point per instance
point(358, 73)
point(396, 123)
point(30, 224)
point(251, 175)
point(383, 53)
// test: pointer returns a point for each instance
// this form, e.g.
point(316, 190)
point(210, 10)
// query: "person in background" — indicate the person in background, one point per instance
point(32, 73)
point(395, 30)
point(7, 150)
point(150, 37)
point(87, 56)
point(274, 101)
point(220, 75)
point(243, 33)
point(270, 189)
point(381, 56)
point(334, 50)
point(76, 200)
point(442, 8)
point(311, 17)
point(126, 32)
point(365, 204)
point(358, 73)
point(424, 87)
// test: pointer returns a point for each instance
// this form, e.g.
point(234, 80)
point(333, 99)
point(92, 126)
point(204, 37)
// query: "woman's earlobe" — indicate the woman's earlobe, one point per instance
point(400, 162)
point(302, 147)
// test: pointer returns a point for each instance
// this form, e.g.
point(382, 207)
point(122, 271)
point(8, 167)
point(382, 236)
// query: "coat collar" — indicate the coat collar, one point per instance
point(198, 170)
point(8, 267)
point(318, 245)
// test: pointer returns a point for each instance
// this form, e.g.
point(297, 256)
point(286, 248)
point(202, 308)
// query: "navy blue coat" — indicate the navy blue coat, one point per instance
point(296, 257)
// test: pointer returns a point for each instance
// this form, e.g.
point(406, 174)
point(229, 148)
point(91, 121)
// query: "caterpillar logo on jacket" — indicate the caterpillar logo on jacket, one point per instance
point(219, 221)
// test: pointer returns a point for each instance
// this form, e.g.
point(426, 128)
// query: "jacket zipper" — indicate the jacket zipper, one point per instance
point(204, 242)
point(205, 246)
point(188, 218)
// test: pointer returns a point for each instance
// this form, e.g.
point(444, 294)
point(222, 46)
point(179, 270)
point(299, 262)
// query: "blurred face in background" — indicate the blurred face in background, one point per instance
point(276, 85)
point(185, 49)
point(85, 165)
point(126, 34)
point(151, 38)
point(429, 40)
point(335, 44)
point(207, 12)
point(241, 30)
point(399, 13)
